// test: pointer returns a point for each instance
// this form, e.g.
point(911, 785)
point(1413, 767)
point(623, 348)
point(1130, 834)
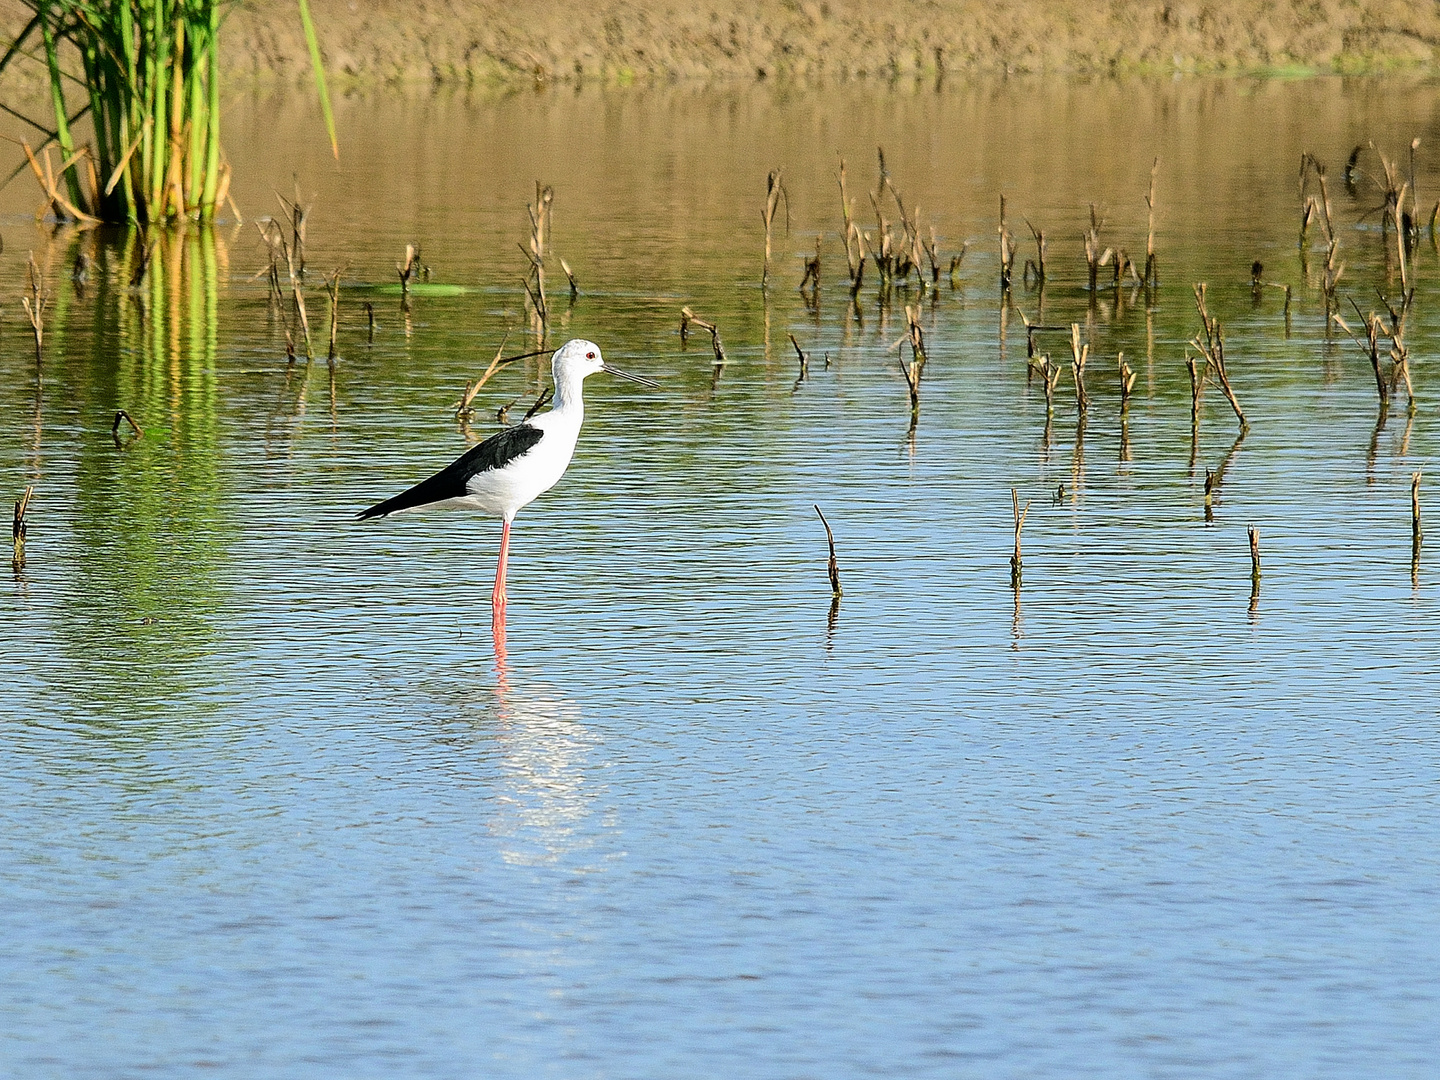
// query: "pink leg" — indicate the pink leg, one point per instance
point(497, 635)
point(497, 598)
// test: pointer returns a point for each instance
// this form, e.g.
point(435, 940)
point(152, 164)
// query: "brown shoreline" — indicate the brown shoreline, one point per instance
point(482, 42)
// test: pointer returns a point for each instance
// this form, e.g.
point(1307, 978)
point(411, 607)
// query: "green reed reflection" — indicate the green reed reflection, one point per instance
point(151, 532)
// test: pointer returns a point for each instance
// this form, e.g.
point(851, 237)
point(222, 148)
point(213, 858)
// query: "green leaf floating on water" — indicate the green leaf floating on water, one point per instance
point(420, 288)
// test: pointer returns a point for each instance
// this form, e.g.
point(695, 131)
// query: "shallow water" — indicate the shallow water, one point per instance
point(274, 802)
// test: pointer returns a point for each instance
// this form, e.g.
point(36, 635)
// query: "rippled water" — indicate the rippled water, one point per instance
point(275, 803)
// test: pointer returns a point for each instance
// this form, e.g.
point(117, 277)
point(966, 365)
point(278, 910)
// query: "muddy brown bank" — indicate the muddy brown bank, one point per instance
point(479, 42)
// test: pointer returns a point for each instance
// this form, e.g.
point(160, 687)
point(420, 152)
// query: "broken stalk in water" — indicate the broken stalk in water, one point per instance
point(18, 528)
point(1016, 562)
point(834, 565)
point(774, 193)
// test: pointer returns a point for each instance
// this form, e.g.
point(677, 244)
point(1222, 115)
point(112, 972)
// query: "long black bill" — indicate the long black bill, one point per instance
point(633, 378)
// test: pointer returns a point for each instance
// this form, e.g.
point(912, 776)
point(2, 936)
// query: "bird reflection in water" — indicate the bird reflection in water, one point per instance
point(544, 802)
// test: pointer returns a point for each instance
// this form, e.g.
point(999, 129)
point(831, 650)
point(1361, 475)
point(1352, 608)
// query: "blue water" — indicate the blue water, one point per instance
point(275, 802)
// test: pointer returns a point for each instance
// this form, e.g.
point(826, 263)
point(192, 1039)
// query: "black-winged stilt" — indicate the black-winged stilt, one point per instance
point(511, 468)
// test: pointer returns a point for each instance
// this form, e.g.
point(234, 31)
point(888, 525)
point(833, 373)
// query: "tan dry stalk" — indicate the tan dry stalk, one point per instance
point(812, 272)
point(932, 254)
point(1007, 249)
point(860, 266)
point(1094, 257)
point(1050, 374)
point(1152, 269)
point(1127, 379)
point(1038, 263)
point(852, 241)
point(1016, 562)
point(299, 296)
point(408, 270)
point(539, 236)
point(1398, 353)
point(1078, 355)
point(127, 418)
point(34, 303)
point(1213, 349)
point(911, 372)
point(956, 260)
point(689, 318)
point(834, 565)
point(464, 408)
point(1197, 387)
point(915, 334)
point(53, 198)
point(774, 193)
point(1401, 239)
point(1417, 536)
point(717, 347)
point(1254, 569)
point(885, 256)
point(804, 360)
point(332, 287)
point(18, 528)
point(298, 217)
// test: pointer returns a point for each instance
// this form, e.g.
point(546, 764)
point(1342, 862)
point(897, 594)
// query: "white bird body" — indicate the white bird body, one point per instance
point(503, 492)
point(512, 468)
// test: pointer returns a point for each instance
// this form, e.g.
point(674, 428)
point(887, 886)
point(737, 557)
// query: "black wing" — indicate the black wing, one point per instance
point(449, 483)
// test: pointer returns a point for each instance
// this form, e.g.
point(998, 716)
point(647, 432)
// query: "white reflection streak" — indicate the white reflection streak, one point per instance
point(544, 750)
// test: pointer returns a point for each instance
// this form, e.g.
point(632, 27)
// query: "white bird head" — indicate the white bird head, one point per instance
point(576, 360)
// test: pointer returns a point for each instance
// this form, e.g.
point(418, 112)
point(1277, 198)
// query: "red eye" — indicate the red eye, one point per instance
point(589, 356)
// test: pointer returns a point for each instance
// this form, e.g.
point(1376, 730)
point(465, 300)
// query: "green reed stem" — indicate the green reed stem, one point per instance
point(212, 128)
point(319, 68)
point(57, 98)
point(199, 126)
point(158, 63)
point(175, 167)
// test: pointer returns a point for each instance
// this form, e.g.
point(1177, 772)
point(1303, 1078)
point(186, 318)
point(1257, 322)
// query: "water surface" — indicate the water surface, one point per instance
point(274, 802)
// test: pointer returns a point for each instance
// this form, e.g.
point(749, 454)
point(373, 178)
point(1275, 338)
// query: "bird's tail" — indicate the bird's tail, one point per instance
point(422, 494)
point(378, 510)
